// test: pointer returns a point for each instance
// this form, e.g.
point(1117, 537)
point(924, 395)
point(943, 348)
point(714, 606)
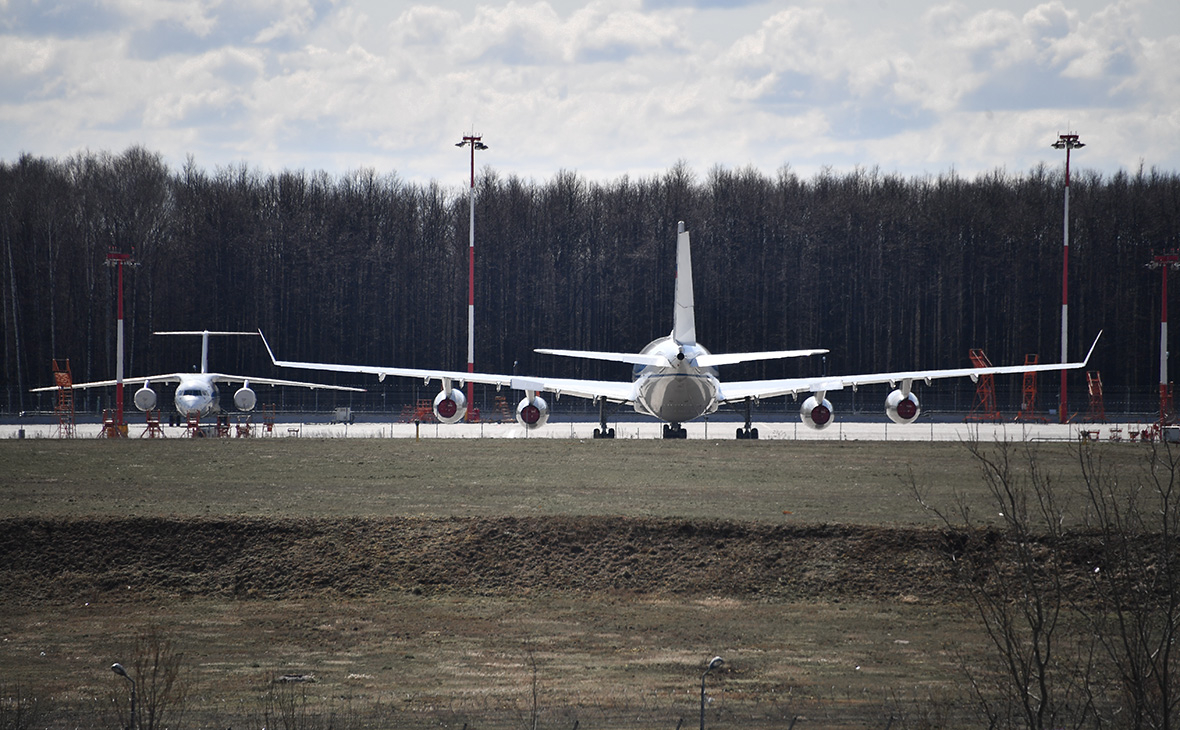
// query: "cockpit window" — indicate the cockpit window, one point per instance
point(192, 391)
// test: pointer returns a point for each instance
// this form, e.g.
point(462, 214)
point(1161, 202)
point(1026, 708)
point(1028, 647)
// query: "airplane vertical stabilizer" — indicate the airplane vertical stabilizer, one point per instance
point(684, 327)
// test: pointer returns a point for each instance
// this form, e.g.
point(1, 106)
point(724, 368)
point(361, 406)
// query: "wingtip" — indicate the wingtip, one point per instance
point(1092, 346)
point(268, 350)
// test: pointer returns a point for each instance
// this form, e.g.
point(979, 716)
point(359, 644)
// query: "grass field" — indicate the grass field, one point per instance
point(483, 582)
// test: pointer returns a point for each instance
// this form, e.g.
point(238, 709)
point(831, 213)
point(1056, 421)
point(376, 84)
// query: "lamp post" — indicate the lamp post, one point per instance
point(118, 669)
point(1065, 142)
point(475, 143)
point(713, 664)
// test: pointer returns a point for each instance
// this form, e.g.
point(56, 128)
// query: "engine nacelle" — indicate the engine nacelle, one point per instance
point(815, 413)
point(450, 406)
point(532, 412)
point(245, 399)
point(901, 408)
point(145, 399)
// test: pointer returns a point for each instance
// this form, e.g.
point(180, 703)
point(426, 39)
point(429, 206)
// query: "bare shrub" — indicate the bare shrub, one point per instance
point(159, 671)
point(19, 709)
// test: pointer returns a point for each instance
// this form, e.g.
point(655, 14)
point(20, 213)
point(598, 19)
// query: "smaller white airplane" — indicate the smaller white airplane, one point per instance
point(197, 393)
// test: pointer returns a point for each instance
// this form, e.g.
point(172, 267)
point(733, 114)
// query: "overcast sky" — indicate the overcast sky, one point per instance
point(601, 87)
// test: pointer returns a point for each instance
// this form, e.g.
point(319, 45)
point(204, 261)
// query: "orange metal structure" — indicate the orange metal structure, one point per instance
point(1028, 402)
point(64, 408)
point(153, 430)
point(1097, 402)
point(985, 391)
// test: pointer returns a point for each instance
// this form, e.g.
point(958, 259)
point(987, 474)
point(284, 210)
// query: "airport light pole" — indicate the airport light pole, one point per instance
point(713, 664)
point(118, 669)
point(119, 260)
point(475, 143)
point(1163, 262)
point(1065, 142)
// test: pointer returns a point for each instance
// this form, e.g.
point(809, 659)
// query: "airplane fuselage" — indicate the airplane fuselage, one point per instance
point(197, 396)
point(679, 393)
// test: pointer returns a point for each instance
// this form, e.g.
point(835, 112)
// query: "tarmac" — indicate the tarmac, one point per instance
point(921, 430)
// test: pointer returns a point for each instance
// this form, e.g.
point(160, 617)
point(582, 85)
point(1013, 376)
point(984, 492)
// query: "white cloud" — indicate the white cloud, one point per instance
point(603, 86)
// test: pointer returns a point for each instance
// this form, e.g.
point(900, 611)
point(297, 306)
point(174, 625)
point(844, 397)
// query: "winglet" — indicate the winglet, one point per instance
point(1091, 352)
point(268, 350)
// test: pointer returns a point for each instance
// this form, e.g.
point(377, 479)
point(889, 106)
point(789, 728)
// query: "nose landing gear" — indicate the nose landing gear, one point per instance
point(675, 431)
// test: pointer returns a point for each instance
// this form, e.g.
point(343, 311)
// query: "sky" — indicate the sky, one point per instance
point(604, 88)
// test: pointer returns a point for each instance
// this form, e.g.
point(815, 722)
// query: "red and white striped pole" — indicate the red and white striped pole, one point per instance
point(475, 143)
point(118, 260)
point(1065, 142)
point(1164, 262)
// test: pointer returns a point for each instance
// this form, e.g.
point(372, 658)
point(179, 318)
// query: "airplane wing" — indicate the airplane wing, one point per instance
point(224, 378)
point(216, 377)
point(792, 386)
point(166, 378)
point(622, 392)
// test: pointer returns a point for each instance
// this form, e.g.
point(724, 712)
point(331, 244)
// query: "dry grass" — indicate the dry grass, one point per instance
point(402, 654)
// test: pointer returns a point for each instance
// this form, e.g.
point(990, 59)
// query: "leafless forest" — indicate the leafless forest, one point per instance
point(887, 272)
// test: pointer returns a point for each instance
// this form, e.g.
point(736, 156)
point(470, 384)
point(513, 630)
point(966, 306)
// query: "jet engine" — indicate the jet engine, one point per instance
point(532, 412)
point(450, 406)
point(245, 399)
point(816, 413)
point(902, 408)
point(145, 398)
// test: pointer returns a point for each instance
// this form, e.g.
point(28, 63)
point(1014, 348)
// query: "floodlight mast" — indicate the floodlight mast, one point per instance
point(475, 143)
point(1065, 142)
point(119, 260)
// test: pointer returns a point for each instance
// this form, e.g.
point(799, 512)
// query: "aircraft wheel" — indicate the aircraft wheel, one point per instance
point(597, 435)
point(753, 433)
point(683, 433)
point(741, 433)
point(610, 434)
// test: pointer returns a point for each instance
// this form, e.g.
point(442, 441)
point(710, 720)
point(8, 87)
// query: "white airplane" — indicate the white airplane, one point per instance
point(197, 393)
point(675, 378)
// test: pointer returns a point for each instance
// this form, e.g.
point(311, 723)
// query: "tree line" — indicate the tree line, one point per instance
point(888, 272)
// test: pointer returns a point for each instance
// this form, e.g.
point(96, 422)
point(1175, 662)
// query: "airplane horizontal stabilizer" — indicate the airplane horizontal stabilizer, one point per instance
point(631, 358)
point(730, 358)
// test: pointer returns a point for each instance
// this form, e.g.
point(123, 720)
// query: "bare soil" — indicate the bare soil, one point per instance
point(483, 616)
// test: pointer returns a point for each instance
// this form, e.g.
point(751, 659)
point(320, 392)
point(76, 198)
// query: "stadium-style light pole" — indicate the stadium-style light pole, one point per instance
point(118, 669)
point(713, 664)
point(475, 143)
point(119, 260)
point(1065, 142)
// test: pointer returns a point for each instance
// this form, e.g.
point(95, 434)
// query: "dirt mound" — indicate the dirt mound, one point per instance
point(137, 558)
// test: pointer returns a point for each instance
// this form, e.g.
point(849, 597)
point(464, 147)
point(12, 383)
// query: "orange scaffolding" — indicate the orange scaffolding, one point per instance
point(153, 430)
point(1028, 402)
point(1097, 411)
point(985, 391)
point(64, 408)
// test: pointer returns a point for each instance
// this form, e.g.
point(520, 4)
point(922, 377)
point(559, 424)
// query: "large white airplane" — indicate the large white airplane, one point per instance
point(197, 393)
point(675, 378)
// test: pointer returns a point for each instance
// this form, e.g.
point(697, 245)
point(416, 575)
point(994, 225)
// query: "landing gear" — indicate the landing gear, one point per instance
point(675, 431)
point(746, 432)
point(603, 432)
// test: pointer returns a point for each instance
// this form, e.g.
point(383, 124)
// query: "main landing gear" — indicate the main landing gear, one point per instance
point(746, 432)
point(603, 432)
point(675, 431)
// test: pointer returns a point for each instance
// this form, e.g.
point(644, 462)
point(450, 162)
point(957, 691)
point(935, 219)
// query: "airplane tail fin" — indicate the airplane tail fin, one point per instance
point(684, 326)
